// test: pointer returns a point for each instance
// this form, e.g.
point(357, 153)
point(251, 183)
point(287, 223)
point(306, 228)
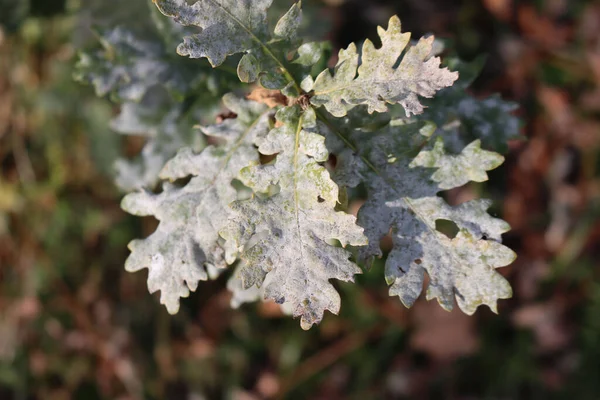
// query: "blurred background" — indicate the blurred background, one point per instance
point(75, 325)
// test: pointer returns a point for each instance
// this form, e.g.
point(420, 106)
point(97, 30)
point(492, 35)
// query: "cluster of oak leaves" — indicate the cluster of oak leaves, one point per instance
point(389, 119)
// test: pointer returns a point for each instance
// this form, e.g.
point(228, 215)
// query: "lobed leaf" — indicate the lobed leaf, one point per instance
point(230, 27)
point(383, 76)
point(284, 239)
point(186, 241)
point(402, 199)
point(461, 268)
point(454, 171)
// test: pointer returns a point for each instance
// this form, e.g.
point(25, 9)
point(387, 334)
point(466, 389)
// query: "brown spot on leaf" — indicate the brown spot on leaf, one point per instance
point(271, 98)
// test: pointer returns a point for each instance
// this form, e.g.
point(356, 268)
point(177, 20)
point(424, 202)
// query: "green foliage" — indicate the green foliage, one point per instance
point(288, 232)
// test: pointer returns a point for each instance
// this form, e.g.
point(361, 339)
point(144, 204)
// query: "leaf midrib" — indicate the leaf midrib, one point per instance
point(295, 182)
point(264, 46)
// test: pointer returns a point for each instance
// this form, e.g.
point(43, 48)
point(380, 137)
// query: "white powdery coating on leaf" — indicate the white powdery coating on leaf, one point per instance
point(128, 68)
point(241, 295)
point(378, 81)
point(284, 239)
point(228, 26)
point(402, 199)
point(186, 241)
point(461, 268)
point(470, 165)
point(170, 252)
point(288, 25)
point(164, 134)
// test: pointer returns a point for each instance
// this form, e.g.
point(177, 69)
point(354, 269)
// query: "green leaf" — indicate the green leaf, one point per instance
point(186, 242)
point(285, 239)
point(385, 75)
point(402, 199)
